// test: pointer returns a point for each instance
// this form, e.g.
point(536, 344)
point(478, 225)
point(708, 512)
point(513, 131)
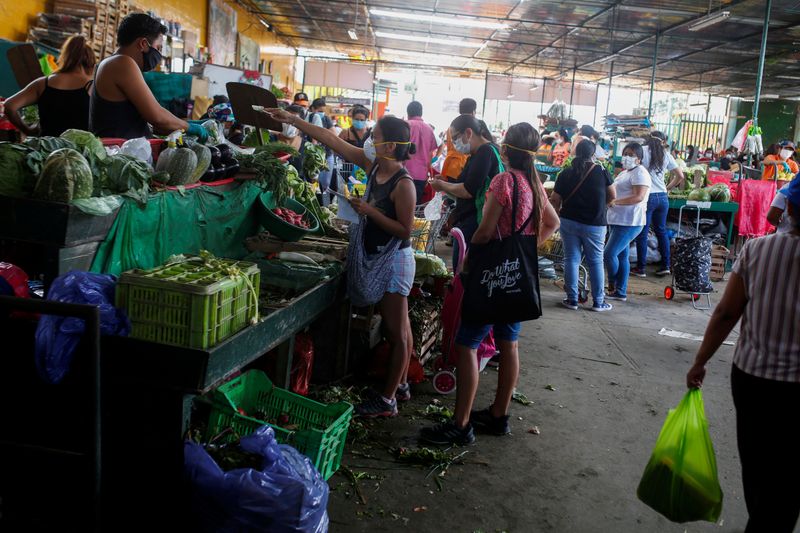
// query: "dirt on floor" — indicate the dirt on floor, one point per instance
point(601, 385)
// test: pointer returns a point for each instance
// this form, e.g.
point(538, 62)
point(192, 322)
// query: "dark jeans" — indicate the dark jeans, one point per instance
point(768, 435)
point(420, 186)
point(657, 209)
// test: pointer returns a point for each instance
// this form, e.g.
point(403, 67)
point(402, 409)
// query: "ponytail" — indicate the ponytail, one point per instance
point(521, 142)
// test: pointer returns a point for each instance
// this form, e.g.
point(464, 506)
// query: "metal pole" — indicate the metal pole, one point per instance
point(572, 90)
point(596, 96)
point(544, 86)
point(485, 89)
point(653, 77)
point(610, 81)
point(374, 97)
point(761, 55)
point(705, 126)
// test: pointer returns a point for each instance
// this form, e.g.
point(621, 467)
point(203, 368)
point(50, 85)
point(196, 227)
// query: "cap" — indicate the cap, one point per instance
point(301, 98)
point(222, 113)
point(792, 191)
point(787, 144)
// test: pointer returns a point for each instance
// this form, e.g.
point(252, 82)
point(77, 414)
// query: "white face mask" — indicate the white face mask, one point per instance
point(462, 146)
point(786, 154)
point(629, 162)
point(369, 150)
point(289, 130)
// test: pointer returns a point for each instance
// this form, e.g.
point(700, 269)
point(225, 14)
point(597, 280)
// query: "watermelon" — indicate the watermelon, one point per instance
point(65, 176)
point(699, 195)
point(719, 193)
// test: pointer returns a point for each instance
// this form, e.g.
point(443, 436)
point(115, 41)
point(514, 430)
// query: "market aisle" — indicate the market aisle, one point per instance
point(614, 379)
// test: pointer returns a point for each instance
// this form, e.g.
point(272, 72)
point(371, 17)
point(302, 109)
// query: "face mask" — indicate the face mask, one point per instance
point(786, 154)
point(359, 124)
point(150, 59)
point(289, 130)
point(369, 150)
point(628, 162)
point(557, 141)
point(462, 146)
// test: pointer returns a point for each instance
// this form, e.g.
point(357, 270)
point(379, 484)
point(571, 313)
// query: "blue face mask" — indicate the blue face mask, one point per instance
point(359, 124)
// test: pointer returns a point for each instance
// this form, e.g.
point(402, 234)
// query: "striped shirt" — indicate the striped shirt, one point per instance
point(769, 342)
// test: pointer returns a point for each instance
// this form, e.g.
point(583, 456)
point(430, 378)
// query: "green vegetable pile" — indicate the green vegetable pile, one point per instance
point(314, 160)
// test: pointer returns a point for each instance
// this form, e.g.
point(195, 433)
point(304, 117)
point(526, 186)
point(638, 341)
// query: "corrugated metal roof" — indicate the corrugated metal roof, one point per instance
point(548, 38)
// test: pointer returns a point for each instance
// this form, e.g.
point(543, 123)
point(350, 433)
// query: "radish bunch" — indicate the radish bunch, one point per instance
point(287, 215)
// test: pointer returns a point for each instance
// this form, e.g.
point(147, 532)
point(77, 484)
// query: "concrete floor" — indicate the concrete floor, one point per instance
point(614, 377)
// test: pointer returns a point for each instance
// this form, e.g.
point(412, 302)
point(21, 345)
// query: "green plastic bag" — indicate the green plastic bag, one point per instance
point(680, 481)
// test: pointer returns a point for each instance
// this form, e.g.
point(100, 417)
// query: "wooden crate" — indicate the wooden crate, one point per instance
point(719, 259)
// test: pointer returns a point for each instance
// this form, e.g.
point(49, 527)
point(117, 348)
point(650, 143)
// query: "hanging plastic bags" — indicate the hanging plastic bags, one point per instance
point(680, 481)
point(288, 494)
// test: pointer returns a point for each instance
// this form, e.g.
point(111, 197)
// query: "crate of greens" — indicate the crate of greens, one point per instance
point(251, 400)
point(194, 302)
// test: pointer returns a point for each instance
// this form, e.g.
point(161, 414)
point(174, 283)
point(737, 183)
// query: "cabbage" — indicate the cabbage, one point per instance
point(699, 195)
point(429, 265)
point(65, 176)
point(87, 143)
point(16, 179)
point(129, 176)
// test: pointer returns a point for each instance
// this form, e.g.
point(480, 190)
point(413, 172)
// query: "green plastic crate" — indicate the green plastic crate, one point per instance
point(183, 304)
point(322, 429)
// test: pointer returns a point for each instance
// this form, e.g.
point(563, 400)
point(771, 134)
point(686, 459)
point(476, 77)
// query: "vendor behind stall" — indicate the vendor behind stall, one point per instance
point(122, 105)
point(779, 155)
point(62, 97)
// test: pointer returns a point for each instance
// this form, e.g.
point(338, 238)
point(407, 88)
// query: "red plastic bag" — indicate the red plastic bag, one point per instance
point(13, 281)
point(303, 363)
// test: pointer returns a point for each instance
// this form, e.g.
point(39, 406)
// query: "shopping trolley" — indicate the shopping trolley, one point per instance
point(553, 249)
point(426, 230)
point(671, 290)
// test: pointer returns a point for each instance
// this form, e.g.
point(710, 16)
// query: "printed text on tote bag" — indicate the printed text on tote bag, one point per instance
point(504, 276)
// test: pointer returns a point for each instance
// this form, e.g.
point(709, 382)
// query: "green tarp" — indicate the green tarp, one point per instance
point(205, 218)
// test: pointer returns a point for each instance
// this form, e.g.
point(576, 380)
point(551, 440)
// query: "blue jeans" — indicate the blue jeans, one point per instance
point(616, 256)
point(582, 239)
point(472, 335)
point(325, 179)
point(657, 209)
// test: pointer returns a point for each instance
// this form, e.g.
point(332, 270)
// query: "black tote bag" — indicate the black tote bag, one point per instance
point(501, 282)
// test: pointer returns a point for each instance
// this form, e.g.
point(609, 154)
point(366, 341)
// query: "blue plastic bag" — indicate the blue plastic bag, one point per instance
point(57, 336)
point(288, 495)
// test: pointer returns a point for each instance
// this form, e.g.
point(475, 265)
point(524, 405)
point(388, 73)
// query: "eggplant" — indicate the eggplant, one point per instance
point(231, 170)
point(224, 150)
point(211, 175)
point(229, 159)
point(216, 156)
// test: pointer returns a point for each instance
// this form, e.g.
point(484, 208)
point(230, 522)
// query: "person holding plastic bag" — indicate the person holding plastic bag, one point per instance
point(121, 103)
point(764, 291)
point(501, 286)
point(380, 260)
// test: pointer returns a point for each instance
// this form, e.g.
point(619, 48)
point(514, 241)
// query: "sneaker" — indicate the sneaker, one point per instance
point(494, 362)
point(488, 423)
point(602, 307)
point(377, 407)
point(617, 296)
point(403, 393)
point(639, 272)
point(569, 305)
point(664, 272)
point(448, 433)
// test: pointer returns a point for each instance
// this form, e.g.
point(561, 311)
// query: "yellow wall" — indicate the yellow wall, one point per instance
point(17, 15)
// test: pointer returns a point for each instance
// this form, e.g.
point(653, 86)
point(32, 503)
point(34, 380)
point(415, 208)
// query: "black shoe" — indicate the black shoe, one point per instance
point(484, 420)
point(448, 433)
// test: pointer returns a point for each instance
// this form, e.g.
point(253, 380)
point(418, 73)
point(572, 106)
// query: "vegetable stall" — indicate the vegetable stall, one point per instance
point(221, 258)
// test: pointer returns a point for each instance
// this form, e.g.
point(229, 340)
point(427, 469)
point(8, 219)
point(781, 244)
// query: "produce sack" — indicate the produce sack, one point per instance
point(691, 264)
point(288, 494)
point(680, 481)
point(58, 336)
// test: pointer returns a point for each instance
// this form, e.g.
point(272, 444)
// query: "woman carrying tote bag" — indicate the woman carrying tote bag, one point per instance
point(501, 286)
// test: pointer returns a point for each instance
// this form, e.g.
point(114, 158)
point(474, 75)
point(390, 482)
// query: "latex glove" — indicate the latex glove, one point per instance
point(198, 131)
point(786, 166)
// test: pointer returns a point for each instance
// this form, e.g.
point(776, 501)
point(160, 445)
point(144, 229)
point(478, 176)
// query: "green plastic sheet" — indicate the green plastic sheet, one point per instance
point(175, 222)
point(680, 480)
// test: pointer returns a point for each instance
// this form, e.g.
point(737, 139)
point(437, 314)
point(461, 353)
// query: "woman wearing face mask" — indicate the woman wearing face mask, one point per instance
point(122, 105)
point(627, 214)
point(380, 259)
point(358, 133)
point(291, 135)
point(562, 148)
point(780, 156)
point(471, 137)
point(62, 97)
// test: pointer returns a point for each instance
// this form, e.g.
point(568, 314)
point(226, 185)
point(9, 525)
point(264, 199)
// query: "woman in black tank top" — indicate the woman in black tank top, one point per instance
point(381, 263)
point(62, 98)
